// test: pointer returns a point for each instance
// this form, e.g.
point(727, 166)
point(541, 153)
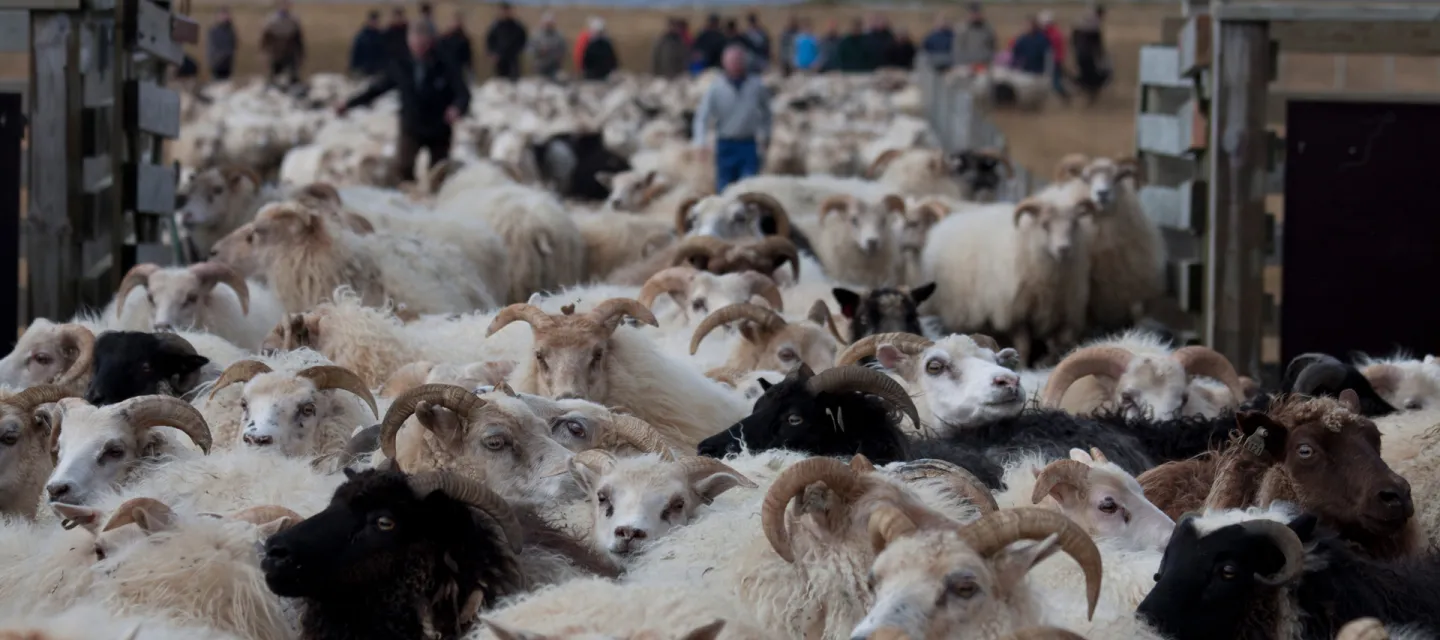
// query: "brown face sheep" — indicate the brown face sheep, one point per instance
point(708, 253)
point(49, 353)
point(25, 447)
point(770, 342)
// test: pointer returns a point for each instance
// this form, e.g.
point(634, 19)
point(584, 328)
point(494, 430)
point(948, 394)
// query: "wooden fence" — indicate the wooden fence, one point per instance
point(959, 121)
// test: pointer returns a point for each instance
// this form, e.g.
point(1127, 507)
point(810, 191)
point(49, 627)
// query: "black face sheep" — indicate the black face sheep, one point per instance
point(1249, 576)
point(397, 556)
point(1318, 374)
point(132, 363)
point(883, 310)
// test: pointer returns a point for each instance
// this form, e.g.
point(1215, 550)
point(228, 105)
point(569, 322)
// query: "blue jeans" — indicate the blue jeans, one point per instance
point(735, 160)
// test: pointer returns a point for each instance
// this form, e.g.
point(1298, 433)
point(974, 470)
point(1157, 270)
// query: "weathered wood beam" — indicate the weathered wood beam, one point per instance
point(55, 171)
point(14, 31)
point(1238, 150)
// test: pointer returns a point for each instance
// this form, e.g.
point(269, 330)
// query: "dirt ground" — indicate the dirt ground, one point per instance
point(1036, 140)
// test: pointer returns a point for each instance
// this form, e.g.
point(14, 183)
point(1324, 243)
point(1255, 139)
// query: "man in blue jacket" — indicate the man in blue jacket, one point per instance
point(367, 53)
point(1031, 52)
point(433, 96)
point(739, 105)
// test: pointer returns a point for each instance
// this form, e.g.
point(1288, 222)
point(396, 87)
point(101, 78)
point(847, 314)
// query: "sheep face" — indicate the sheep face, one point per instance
point(771, 342)
point(638, 500)
point(1054, 227)
point(570, 359)
point(1219, 569)
point(179, 296)
point(1104, 500)
point(1153, 386)
point(130, 364)
point(95, 449)
point(709, 291)
point(284, 413)
point(978, 171)
point(238, 249)
point(1150, 385)
point(964, 383)
point(24, 447)
point(1411, 385)
point(912, 230)
point(746, 215)
point(868, 225)
point(634, 190)
point(1105, 176)
point(883, 310)
point(215, 194)
point(49, 353)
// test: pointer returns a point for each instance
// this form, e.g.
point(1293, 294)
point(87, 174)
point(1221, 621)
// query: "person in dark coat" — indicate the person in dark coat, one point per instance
point(456, 44)
point(902, 52)
point(220, 44)
point(367, 52)
point(1031, 51)
point(710, 43)
point(505, 42)
point(599, 60)
point(433, 97)
point(879, 40)
point(1091, 59)
point(395, 37)
point(759, 40)
point(283, 41)
point(854, 53)
point(670, 57)
point(939, 44)
point(829, 58)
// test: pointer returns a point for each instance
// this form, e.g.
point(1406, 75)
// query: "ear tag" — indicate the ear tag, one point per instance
point(1255, 444)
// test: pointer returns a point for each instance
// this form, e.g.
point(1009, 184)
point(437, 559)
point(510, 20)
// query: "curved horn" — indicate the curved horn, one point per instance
point(932, 209)
point(836, 475)
point(637, 433)
point(1204, 361)
point(165, 411)
point(759, 284)
point(863, 380)
point(84, 340)
point(1363, 629)
point(820, 314)
point(767, 202)
point(1067, 472)
point(451, 397)
point(984, 341)
point(889, 633)
point(475, 495)
point(832, 203)
point(265, 514)
point(888, 524)
point(1327, 372)
point(690, 247)
point(1032, 206)
point(908, 344)
point(893, 204)
point(779, 250)
point(962, 482)
point(137, 276)
point(674, 281)
point(212, 273)
point(682, 215)
point(28, 400)
point(1289, 545)
point(697, 467)
point(158, 514)
point(332, 377)
point(535, 316)
point(1071, 166)
point(1129, 168)
point(239, 373)
point(998, 530)
point(610, 312)
point(768, 320)
point(1090, 361)
point(1044, 633)
point(881, 162)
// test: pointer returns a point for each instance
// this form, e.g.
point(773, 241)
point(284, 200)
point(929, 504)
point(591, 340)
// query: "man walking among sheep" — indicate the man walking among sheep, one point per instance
point(284, 43)
point(433, 97)
point(739, 105)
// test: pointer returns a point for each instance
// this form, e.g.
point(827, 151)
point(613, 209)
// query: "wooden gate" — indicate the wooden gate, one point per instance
point(1361, 228)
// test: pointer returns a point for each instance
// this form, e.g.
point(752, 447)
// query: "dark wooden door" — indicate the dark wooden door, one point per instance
point(1362, 229)
point(12, 129)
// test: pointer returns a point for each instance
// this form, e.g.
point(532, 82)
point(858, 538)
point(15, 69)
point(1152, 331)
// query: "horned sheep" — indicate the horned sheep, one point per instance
point(856, 243)
point(191, 298)
point(96, 449)
point(970, 175)
point(293, 414)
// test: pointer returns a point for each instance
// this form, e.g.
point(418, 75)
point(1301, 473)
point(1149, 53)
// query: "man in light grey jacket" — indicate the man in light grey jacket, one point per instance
point(739, 105)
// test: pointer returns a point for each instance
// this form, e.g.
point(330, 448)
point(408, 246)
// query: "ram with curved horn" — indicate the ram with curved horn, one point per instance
point(1319, 374)
point(25, 455)
point(294, 414)
point(963, 381)
point(699, 292)
point(50, 353)
point(743, 216)
point(721, 257)
point(97, 449)
point(152, 298)
point(582, 425)
point(590, 356)
point(857, 242)
point(768, 341)
point(1140, 377)
point(1105, 500)
point(636, 501)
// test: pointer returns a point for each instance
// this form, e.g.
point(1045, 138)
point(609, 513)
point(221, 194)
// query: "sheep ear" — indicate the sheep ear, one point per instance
point(72, 516)
point(764, 384)
point(442, 422)
point(719, 481)
point(849, 301)
point(584, 475)
point(1013, 563)
point(922, 293)
point(1008, 358)
point(890, 357)
point(707, 632)
point(1350, 400)
point(1079, 455)
point(1262, 435)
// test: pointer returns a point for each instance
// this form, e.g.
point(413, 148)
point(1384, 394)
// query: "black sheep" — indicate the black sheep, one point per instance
point(1318, 374)
point(883, 310)
point(129, 364)
point(393, 553)
point(1262, 579)
point(573, 160)
point(837, 413)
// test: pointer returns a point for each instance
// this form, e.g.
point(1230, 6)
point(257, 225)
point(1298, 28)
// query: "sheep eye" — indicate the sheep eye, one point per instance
point(698, 305)
point(1108, 505)
point(934, 367)
point(674, 508)
point(10, 438)
point(795, 419)
point(307, 409)
point(597, 356)
point(384, 524)
point(1304, 451)
point(1412, 405)
point(1228, 572)
point(788, 355)
point(1155, 577)
point(217, 192)
point(244, 406)
point(575, 428)
point(99, 553)
point(189, 300)
point(540, 359)
point(114, 452)
point(494, 443)
point(603, 497)
point(964, 588)
point(42, 359)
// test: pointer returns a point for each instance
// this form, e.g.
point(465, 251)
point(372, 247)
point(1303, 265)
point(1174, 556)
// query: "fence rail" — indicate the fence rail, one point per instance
point(960, 122)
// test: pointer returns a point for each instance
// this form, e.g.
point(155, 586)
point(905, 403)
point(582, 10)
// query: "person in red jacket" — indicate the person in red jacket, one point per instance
point(581, 41)
point(1057, 46)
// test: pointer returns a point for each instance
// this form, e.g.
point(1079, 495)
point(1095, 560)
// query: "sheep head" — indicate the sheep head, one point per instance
point(770, 342)
point(883, 310)
point(1103, 499)
point(916, 224)
point(25, 447)
point(636, 501)
point(718, 256)
point(178, 295)
point(1145, 384)
point(634, 190)
point(1406, 385)
point(97, 448)
point(218, 193)
point(968, 581)
point(978, 171)
point(1055, 225)
point(1104, 176)
point(238, 250)
point(709, 631)
point(295, 331)
point(868, 224)
point(747, 215)
point(132, 363)
point(581, 425)
point(571, 350)
point(967, 380)
point(286, 411)
point(49, 353)
point(494, 438)
point(701, 291)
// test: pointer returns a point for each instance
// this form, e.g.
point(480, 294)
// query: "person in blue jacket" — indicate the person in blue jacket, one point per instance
point(367, 52)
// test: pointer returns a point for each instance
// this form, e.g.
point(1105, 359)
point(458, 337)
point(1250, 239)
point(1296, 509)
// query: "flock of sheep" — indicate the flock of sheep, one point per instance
point(495, 405)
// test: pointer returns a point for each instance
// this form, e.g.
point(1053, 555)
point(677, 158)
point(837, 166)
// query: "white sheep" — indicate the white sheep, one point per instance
point(964, 175)
point(218, 200)
point(856, 243)
point(699, 292)
point(152, 298)
point(1127, 253)
point(546, 250)
point(96, 449)
point(1137, 373)
point(50, 353)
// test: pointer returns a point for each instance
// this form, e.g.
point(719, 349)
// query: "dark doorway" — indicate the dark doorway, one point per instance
point(1362, 229)
point(12, 130)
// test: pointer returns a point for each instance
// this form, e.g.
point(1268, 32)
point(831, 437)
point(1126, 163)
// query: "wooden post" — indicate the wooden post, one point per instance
point(54, 165)
point(12, 129)
point(1237, 214)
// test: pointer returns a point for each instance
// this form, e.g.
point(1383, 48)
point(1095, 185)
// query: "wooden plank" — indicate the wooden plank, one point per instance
point(1407, 38)
point(97, 44)
point(154, 188)
point(95, 174)
point(1160, 67)
point(1181, 207)
point(41, 5)
point(49, 245)
point(14, 32)
point(12, 130)
point(1275, 107)
point(155, 108)
point(1173, 135)
point(184, 30)
point(1237, 198)
point(1339, 12)
point(152, 32)
point(1195, 46)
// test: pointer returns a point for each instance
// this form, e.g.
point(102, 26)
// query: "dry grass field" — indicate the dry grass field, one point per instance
point(1037, 140)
